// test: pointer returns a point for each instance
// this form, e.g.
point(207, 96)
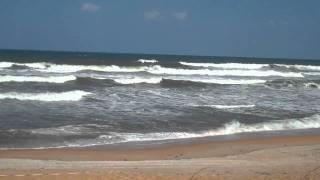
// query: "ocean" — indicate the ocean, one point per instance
point(77, 99)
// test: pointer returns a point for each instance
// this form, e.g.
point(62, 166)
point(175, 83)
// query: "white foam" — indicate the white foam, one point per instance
point(34, 65)
point(64, 68)
point(222, 81)
point(147, 61)
point(227, 106)
point(301, 67)
point(49, 97)
point(157, 80)
point(49, 79)
point(257, 73)
point(226, 65)
point(5, 64)
point(137, 80)
point(234, 127)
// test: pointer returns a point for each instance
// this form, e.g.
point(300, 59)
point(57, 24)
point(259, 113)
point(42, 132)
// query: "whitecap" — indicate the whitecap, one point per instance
point(48, 96)
point(147, 61)
point(226, 65)
point(255, 73)
point(49, 79)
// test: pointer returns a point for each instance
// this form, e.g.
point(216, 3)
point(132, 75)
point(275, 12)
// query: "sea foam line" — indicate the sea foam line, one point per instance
point(48, 96)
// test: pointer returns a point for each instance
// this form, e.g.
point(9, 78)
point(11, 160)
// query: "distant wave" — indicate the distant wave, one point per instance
point(226, 65)
point(157, 69)
point(147, 61)
point(175, 81)
point(49, 97)
point(301, 67)
point(49, 79)
point(255, 73)
point(57, 68)
point(138, 80)
point(40, 65)
point(190, 81)
point(226, 106)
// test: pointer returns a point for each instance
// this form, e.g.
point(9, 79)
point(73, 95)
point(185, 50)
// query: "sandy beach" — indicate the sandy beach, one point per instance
point(284, 157)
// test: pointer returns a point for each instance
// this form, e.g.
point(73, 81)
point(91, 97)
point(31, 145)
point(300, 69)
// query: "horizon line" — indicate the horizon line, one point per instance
point(157, 54)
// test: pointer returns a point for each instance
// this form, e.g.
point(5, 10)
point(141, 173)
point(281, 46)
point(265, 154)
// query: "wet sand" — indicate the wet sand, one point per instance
point(283, 157)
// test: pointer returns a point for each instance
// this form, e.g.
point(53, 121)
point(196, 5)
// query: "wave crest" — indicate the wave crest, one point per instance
point(49, 79)
point(226, 65)
point(255, 73)
point(48, 97)
point(147, 61)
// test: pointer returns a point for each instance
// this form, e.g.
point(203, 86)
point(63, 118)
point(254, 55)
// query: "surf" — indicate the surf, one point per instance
point(76, 95)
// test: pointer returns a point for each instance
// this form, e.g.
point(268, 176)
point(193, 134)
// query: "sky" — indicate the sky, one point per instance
point(246, 28)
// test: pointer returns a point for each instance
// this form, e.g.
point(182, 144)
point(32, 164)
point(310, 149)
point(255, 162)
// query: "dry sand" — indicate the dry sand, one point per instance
point(286, 157)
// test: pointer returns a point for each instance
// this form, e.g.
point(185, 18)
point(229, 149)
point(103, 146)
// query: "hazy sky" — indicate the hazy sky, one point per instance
point(260, 28)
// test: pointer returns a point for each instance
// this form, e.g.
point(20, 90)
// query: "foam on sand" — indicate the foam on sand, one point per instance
point(48, 97)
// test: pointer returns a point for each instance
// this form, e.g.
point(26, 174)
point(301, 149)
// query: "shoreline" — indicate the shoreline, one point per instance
point(275, 157)
point(188, 149)
point(278, 157)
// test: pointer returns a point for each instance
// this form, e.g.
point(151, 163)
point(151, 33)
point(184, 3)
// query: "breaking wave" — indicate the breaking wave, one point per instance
point(147, 61)
point(138, 80)
point(234, 127)
point(226, 65)
point(49, 79)
point(228, 69)
point(30, 65)
point(301, 67)
point(48, 97)
point(255, 73)
point(57, 68)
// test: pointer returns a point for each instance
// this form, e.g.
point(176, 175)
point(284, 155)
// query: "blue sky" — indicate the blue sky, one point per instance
point(254, 28)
